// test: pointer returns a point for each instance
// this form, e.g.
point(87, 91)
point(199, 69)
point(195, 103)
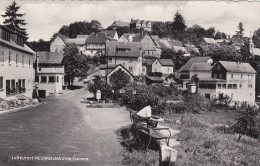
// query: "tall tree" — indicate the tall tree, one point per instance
point(240, 31)
point(119, 79)
point(178, 26)
point(211, 32)
point(75, 64)
point(12, 20)
point(40, 45)
point(256, 38)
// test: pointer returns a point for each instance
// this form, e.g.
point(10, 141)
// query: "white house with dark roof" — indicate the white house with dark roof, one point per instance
point(59, 43)
point(111, 34)
point(165, 66)
point(16, 65)
point(127, 54)
point(207, 41)
point(50, 73)
point(146, 25)
point(96, 44)
point(235, 79)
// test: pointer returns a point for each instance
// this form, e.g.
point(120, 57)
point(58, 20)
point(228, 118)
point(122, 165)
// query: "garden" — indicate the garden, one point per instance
point(211, 131)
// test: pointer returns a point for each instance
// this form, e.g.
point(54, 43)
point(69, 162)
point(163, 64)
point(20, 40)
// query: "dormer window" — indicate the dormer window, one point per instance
point(6, 35)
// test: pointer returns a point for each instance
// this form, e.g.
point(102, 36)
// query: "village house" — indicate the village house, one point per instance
point(164, 66)
point(16, 65)
point(120, 68)
point(111, 34)
point(234, 79)
point(207, 42)
point(50, 73)
point(127, 37)
point(96, 44)
point(119, 24)
point(141, 24)
point(59, 43)
point(149, 46)
point(128, 55)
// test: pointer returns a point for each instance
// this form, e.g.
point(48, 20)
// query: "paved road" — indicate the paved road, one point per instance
point(63, 127)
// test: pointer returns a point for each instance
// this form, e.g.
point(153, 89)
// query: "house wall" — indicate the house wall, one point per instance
point(157, 67)
point(57, 45)
point(91, 49)
point(135, 63)
point(52, 87)
point(201, 74)
point(51, 70)
point(15, 71)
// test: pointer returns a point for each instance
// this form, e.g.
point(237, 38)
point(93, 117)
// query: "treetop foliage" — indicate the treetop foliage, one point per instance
point(12, 20)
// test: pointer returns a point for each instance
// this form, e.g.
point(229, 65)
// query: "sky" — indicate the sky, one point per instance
point(45, 17)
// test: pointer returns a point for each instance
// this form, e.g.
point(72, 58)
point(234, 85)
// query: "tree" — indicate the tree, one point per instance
point(119, 79)
point(12, 20)
point(178, 26)
point(75, 64)
point(256, 38)
point(167, 54)
point(240, 31)
point(80, 28)
point(99, 84)
point(40, 45)
point(224, 53)
point(122, 30)
point(211, 32)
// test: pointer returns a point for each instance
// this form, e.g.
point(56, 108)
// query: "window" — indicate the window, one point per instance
point(110, 59)
point(224, 86)
point(9, 58)
point(250, 86)
point(250, 94)
point(43, 79)
point(8, 87)
point(131, 69)
point(37, 79)
point(234, 86)
point(231, 95)
point(1, 83)
point(229, 86)
point(241, 86)
point(231, 75)
point(40, 68)
point(51, 79)
point(143, 69)
point(57, 78)
point(207, 96)
point(219, 86)
point(21, 85)
point(16, 58)
point(241, 75)
point(3, 57)
point(29, 61)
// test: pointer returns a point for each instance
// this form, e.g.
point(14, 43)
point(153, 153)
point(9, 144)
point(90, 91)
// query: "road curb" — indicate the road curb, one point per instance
point(19, 109)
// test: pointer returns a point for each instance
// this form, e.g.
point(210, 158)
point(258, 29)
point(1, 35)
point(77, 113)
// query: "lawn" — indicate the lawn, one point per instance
point(203, 142)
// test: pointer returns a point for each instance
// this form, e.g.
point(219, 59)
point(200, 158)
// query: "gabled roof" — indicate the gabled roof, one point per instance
point(204, 48)
point(175, 43)
point(191, 48)
point(82, 36)
point(200, 67)
point(97, 38)
point(222, 40)
point(209, 40)
point(50, 57)
point(110, 33)
point(112, 46)
point(188, 65)
point(155, 37)
point(16, 46)
point(149, 62)
point(117, 66)
point(237, 67)
point(166, 62)
point(120, 24)
point(176, 49)
point(63, 38)
point(77, 41)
